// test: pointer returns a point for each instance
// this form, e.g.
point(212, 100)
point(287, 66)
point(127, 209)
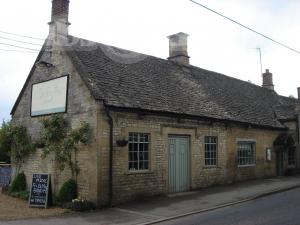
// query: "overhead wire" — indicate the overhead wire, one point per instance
point(19, 35)
point(12, 50)
point(16, 46)
point(246, 27)
point(23, 42)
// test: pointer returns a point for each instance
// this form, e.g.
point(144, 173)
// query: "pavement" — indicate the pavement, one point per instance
point(159, 209)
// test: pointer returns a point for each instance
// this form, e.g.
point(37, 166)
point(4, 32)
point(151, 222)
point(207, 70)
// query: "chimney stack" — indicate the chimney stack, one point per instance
point(59, 24)
point(179, 49)
point(268, 80)
point(299, 94)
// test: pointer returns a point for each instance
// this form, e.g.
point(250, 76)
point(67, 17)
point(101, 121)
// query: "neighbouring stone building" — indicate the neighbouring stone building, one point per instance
point(158, 126)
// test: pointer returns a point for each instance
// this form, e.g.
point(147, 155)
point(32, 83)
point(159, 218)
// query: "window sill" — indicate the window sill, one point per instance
point(291, 166)
point(211, 167)
point(245, 166)
point(139, 172)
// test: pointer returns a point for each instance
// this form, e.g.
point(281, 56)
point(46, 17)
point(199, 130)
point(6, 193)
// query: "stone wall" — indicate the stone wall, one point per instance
point(263, 139)
point(128, 185)
point(81, 107)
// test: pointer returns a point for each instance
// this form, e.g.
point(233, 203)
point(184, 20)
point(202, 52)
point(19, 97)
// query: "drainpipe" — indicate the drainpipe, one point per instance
point(298, 152)
point(298, 128)
point(111, 127)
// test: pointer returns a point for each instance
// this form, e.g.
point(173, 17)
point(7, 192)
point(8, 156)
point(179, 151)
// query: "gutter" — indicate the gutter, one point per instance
point(111, 131)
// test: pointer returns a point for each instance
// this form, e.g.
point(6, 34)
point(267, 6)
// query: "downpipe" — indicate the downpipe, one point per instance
point(111, 131)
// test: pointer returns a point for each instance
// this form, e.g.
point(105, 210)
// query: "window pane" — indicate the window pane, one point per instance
point(138, 150)
point(135, 137)
point(210, 154)
point(131, 165)
point(246, 153)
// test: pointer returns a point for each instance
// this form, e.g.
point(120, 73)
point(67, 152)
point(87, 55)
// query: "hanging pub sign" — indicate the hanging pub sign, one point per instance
point(39, 191)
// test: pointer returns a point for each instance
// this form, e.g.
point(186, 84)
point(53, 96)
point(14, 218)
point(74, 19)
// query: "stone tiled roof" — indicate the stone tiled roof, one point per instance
point(129, 80)
point(126, 79)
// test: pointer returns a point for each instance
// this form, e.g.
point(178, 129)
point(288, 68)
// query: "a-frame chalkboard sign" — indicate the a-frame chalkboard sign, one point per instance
point(39, 191)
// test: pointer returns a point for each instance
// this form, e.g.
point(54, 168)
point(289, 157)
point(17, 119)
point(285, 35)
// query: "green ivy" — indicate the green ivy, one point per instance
point(62, 141)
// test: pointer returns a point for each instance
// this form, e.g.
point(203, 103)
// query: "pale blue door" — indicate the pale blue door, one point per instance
point(179, 166)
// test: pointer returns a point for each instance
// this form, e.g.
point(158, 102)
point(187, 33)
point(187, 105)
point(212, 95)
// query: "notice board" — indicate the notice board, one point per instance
point(39, 191)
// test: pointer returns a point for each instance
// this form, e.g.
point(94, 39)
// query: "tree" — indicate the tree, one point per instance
point(15, 144)
point(5, 142)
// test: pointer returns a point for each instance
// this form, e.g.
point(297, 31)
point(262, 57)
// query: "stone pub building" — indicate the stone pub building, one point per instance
point(158, 126)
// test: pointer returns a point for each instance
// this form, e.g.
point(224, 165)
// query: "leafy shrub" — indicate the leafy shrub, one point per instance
point(19, 183)
point(68, 191)
point(22, 195)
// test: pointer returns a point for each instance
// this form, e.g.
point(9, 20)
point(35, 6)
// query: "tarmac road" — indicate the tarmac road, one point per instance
point(278, 209)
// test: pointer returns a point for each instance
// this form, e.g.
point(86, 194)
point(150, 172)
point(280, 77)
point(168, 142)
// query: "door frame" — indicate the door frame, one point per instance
point(189, 169)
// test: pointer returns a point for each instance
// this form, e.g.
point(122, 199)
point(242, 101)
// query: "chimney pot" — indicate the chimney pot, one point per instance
point(268, 80)
point(179, 48)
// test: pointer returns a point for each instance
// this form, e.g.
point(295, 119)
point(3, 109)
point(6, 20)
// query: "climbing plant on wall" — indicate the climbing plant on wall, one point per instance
point(15, 143)
point(58, 138)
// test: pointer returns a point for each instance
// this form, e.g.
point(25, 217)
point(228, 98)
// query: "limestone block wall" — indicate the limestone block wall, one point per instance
point(263, 139)
point(129, 185)
point(81, 107)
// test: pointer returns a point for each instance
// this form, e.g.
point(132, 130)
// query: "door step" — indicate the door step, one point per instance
point(179, 194)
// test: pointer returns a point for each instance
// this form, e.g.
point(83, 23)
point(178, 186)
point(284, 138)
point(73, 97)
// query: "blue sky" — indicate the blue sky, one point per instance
point(143, 26)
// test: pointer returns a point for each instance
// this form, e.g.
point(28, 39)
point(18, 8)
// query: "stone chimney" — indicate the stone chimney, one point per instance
point(59, 24)
point(179, 49)
point(268, 80)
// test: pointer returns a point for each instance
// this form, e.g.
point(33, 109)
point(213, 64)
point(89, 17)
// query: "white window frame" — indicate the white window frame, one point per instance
point(253, 151)
point(138, 142)
point(210, 147)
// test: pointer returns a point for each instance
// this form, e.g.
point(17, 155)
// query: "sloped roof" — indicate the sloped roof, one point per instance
point(125, 79)
point(150, 83)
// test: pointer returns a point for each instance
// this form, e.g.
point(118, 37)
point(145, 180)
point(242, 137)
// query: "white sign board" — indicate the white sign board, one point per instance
point(49, 97)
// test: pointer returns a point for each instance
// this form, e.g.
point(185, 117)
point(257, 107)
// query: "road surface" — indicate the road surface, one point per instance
point(278, 209)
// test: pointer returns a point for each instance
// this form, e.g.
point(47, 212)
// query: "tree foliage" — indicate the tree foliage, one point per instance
point(5, 142)
point(14, 143)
